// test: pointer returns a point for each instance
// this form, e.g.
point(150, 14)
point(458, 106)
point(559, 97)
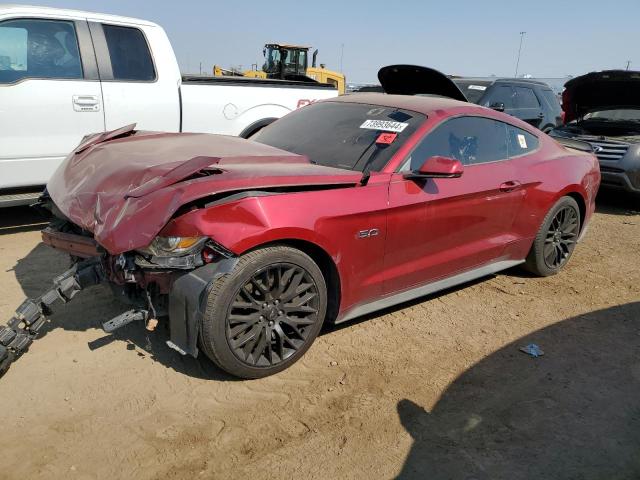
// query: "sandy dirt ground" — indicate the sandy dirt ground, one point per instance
point(436, 389)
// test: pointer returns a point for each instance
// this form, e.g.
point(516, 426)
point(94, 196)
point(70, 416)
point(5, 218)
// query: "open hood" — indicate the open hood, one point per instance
point(125, 187)
point(604, 90)
point(415, 80)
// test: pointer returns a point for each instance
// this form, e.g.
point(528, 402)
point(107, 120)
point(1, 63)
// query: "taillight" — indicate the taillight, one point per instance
point(566, 104)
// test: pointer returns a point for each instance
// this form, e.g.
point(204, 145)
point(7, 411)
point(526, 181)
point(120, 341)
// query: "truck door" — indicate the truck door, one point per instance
point(50, 96)
point(140, 77)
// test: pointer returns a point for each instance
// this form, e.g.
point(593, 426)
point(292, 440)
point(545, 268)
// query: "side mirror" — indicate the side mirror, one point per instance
point(438, 167)
point(497, 106)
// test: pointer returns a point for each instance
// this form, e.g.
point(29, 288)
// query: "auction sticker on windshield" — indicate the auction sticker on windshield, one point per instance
point(385, 125)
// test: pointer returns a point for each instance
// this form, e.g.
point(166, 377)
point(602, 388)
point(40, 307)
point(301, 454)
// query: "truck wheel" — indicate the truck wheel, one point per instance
point(264, 315)
point(556, 239)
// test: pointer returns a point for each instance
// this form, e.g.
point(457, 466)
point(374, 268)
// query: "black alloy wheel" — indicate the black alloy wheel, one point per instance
point(270, 316)
point(263, 315)
point(561, 237)
point(556, 238)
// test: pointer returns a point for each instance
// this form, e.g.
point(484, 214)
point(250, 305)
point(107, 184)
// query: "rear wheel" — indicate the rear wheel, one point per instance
point(556, 239)
point(265, 314)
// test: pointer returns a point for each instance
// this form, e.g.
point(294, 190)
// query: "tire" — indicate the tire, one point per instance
point(556, 239)
point(252, 326)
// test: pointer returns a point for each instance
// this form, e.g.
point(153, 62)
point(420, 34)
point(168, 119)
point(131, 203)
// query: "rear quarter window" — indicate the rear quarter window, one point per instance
point(521, 142)
point(551, 99)
point(130, 55)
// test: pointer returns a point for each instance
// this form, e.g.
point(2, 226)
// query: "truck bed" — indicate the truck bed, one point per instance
point(252, 82)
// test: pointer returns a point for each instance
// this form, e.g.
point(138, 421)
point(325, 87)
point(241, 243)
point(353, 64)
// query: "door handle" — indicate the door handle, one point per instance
point(86, 103)
point(510, 186)
point(541, 115)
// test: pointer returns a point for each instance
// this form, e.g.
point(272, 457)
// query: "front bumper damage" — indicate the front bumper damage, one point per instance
point(180, 294)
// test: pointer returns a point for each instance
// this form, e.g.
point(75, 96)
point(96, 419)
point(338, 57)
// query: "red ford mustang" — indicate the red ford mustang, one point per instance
point(341, 208)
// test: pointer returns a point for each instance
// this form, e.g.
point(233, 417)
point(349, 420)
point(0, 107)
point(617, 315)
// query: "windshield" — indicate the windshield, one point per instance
point(343, 135)
point(619, 115)
point(272, 60)
point(472, 89)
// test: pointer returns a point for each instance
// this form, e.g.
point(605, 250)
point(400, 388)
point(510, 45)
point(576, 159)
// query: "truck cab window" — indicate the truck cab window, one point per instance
point(130, 55)
point(42, 49)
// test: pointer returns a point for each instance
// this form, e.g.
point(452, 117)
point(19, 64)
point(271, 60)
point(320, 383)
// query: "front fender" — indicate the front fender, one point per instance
point(243, 225)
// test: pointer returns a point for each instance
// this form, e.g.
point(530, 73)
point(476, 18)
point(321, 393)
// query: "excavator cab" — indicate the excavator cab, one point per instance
point(289, 62)
point(285, 61)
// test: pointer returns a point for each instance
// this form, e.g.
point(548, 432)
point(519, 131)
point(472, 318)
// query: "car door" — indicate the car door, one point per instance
point(442, 226)
point(50, 96)
point(528, 107)
point(134, 87)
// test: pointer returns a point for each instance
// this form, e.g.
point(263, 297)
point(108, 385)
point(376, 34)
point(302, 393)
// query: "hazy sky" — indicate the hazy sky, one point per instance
point(479, 38)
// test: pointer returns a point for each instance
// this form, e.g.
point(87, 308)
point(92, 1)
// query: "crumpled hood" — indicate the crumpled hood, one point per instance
point(126, 188)
point(600, 91)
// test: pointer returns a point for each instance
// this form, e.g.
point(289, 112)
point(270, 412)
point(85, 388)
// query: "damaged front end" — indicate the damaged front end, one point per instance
point(168, 279)
point(115, 202)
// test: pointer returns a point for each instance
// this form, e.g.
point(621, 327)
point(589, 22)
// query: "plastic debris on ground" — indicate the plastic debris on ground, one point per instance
point(533, 350)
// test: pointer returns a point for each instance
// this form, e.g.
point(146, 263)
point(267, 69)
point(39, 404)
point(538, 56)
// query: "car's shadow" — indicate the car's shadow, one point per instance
point(572, 413)
point(616, 202)
point(20, 219)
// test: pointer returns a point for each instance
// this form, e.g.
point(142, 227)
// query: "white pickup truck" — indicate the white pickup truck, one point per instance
point(65, 74)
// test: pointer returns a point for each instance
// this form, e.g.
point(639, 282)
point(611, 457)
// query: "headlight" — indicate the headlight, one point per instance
point(173, 246)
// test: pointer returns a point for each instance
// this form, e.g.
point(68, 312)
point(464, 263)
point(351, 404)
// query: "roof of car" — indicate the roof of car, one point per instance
point(417, 103)
point(501, 79)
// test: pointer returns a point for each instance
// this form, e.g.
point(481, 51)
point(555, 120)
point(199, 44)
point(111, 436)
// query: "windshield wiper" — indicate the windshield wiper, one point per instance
point(365, 169)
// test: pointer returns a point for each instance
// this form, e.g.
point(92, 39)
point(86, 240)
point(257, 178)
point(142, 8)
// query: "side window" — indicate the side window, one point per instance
point(521, 142)
point(525, 98)
point(129, 52)
point(501, 94)
point(552, 100)
point(32, 48)
point(471, 140)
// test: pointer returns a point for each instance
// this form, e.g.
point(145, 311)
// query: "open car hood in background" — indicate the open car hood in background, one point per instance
point(416, 80)
point(604, 90)
point(125, 187)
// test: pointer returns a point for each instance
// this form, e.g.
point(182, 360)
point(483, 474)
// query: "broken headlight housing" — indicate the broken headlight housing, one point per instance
point(174, 246)
point(172, 252)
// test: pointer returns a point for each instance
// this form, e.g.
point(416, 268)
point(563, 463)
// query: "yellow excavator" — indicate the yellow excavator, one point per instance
point(289, 62)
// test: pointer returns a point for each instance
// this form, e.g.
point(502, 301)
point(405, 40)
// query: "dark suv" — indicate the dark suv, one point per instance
point(603, 109)
point(529, 100)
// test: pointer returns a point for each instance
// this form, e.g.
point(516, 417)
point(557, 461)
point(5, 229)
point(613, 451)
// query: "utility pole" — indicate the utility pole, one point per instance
point(628, 64)
point(341, 55)
point(522, 34)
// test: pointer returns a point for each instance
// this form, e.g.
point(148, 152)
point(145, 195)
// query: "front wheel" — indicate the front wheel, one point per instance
point(265, 314)
point(556, 239)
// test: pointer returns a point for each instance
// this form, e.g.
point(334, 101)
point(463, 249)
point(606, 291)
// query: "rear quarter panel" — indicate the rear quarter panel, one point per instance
point(547, 175)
